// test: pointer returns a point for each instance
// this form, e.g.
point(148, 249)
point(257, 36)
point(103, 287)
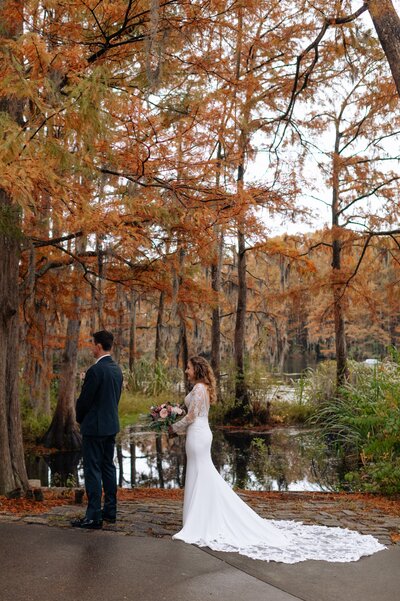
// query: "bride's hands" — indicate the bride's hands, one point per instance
point(171, 433)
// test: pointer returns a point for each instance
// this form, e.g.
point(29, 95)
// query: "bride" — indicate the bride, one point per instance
point(214, 515)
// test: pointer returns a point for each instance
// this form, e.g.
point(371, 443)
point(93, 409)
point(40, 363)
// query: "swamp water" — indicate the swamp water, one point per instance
point(282, 459)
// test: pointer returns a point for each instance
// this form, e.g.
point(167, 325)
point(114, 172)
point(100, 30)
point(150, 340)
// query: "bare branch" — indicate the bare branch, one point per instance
point(301, 79)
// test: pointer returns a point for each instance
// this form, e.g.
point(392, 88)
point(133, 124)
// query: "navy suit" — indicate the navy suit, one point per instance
point(97, 414)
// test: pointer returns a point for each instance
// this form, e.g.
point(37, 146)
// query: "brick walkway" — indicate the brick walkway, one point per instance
point(154, 512)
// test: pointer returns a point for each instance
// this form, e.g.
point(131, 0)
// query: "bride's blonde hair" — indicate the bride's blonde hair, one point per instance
point(203, 372)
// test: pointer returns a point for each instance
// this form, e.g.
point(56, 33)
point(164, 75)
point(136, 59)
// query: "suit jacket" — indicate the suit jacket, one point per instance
point(97, 405)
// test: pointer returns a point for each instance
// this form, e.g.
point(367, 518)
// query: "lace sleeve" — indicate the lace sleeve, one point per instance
point(197, 402)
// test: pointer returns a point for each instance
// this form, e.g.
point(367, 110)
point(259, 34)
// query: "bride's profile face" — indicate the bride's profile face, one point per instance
point(189, 371)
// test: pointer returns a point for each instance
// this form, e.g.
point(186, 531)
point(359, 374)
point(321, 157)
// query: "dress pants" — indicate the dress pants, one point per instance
point(99, 468)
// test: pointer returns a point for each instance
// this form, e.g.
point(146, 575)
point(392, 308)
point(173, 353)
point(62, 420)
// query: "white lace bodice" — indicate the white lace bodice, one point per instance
point(197, 403)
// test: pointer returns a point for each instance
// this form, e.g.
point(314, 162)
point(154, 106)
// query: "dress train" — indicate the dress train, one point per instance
point(216, 517)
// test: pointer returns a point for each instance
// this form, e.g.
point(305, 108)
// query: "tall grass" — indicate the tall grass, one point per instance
point(152, 378)
point(363, 420)
point(266, 404)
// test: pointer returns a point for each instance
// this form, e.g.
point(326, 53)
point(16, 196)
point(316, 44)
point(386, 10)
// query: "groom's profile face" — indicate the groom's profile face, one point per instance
point(97, 349)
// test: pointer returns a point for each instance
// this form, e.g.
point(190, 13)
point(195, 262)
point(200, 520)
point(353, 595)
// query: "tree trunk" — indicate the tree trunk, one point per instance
point(282, 343)
point(216, 269)
point(240, 326)
point(63, 432)
point(240, 412)
point(12, 465)
point(132, 331)
point(241, 305)
point(282, 323)
point(39, 320)
point(100, 286)
point(337, 287)
point(340, 333)
point(159, 328)
point(387, 25)
point(119, 329)
point(38, 374)
point(38, 357)
point(93, 308)
point(183, 348)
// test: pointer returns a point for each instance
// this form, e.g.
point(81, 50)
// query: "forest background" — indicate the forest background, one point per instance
point(148, 149)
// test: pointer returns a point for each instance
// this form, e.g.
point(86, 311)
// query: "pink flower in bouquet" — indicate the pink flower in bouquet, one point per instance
point(163, 416)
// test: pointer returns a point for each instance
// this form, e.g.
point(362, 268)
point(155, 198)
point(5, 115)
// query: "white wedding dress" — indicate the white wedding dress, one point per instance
point(215, 516)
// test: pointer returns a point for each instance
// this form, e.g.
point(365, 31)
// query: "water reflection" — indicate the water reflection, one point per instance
point(57, 469)
point(283, 459)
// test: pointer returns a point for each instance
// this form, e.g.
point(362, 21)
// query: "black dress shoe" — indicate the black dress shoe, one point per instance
point(108, 519)
point(87, 524)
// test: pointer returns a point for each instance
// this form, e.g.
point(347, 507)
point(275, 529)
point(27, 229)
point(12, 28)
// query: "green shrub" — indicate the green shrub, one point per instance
point(152, 378)
point(382, 477)
point(262, 386)
point(363, 419)
point(291, 413)
point(33, 426)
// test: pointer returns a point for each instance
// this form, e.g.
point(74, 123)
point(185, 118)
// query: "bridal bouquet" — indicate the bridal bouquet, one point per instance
point(164, 415)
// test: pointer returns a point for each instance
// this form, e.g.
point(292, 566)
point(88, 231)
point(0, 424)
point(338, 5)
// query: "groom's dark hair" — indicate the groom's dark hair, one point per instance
point(104, 338)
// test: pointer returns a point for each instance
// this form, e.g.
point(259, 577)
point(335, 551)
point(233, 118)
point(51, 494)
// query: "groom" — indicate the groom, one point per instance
point(97, 414)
